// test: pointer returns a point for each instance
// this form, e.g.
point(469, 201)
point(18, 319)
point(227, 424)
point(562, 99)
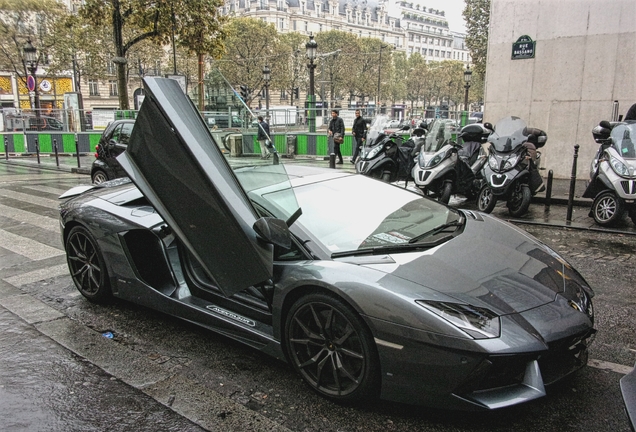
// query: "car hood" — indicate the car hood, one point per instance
point(491, 264)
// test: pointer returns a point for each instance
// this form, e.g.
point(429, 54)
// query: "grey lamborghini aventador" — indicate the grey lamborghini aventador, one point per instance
point(366, 289)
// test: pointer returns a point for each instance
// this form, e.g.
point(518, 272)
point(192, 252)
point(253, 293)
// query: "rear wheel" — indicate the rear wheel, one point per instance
point(486, 200)
point(519, 202)
point(331, 348)
point(445, 192)
point(607, 209)
point(99, 176)
point(87, 267)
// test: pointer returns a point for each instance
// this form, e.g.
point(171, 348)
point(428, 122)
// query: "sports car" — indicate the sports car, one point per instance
point(367, 290)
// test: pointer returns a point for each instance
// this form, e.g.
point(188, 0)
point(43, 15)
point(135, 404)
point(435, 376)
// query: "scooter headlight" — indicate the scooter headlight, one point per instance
point(373, 152)
point(493, 163)
point(618, 166)
point(511, 162)
point(437, 159)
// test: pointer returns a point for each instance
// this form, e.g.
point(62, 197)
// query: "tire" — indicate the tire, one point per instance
point(87, 267)
point(445, 192)
point(607, 209)
point(99, 176)
point(519, 202)
point(632, 215)
point(332, 349)
point(486, 201)
point(386, 177)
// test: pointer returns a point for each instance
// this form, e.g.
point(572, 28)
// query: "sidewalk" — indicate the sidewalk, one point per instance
point(542, 212)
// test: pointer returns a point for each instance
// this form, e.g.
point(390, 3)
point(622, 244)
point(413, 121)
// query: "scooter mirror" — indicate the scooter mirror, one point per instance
point(489, 126)
point(605, 124)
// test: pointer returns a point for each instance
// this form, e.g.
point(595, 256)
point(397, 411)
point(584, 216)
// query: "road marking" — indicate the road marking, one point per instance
point(26, 247)
point(38, 275)
point(618, 368)
point(30, 218)
point(47, 189)
point(44, 202)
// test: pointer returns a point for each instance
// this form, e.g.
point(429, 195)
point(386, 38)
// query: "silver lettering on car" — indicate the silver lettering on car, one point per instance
point(232, 315)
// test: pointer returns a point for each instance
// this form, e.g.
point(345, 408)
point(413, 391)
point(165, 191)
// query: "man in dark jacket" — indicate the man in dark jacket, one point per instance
point(358, 130)
point(336, 126)
point(263, 137)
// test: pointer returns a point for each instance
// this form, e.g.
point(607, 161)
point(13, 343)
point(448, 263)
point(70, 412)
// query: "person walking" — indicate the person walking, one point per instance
point(358, 130)
point(263, 137)
point(336, 126)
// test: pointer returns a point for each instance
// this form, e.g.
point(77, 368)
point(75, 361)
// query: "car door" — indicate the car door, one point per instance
point(176, 164)
point(120, 144)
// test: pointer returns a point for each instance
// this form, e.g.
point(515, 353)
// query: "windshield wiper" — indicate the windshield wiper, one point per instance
point(398, 247)
point(437, 230)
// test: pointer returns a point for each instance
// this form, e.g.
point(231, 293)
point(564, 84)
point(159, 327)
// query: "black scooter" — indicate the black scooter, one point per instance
point(387, 157)
point(511, 173)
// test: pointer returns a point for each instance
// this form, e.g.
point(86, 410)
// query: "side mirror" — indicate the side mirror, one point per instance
point(489, 126)
point(605, 124)
point(405, 127)
point(274, 231)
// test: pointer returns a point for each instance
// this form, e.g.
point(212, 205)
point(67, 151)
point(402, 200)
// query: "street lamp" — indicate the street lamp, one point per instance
point(30, 54)
point(312, 48)
point(266, 77)
point(377, 103)
point(468, 75)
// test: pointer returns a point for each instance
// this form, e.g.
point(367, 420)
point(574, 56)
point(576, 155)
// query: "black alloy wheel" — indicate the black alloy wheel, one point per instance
point(486, 201)
point(607, 209)
point(332, 349)
point(519, 201)
point(99, 176)
point(86, 265)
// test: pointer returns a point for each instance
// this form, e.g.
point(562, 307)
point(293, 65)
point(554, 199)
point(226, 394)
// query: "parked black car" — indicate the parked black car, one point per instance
point(113, 142)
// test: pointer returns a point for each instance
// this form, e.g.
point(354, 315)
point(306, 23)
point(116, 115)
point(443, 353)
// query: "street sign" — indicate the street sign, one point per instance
point(524, 48)
point(30, 83)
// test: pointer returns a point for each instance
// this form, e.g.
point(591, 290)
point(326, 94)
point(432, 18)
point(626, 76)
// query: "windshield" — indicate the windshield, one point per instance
point(623, 136)
point(344, 221)
point(377, 127)
point(510, 133)
point(439, 134)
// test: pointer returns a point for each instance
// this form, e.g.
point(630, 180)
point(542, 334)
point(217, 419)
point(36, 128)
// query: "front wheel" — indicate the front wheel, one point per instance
point(445, 192)
point(607, 209)
point(386, 177)
point(486, 200)
point(632, 214)
point(519, 202)
point(331, 348)
point(99, 176)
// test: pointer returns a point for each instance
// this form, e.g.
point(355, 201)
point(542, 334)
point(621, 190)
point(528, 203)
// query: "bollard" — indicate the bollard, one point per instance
point(37, 150)
point(77, 150)
point(548, 192)
point(57, 156)
point(568, 218)
point(6, 148)
point(276, 159)
point(332, 160)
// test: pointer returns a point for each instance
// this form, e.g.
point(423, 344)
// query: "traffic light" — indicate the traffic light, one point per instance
point(296, 92)
point(245, 92)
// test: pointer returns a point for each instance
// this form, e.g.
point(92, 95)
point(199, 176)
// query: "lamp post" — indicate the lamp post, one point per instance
point(266, 77)
point(30, 54)
point(312, 48)
point(468, 75)
point(377, 102)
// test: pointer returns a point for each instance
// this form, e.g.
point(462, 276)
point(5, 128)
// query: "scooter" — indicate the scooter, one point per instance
point(511, 173)
point(382, 156)
point(445, 168)
point(613, 173)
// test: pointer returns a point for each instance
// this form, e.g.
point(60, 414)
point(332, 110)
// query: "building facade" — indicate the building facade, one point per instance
point(579, 68)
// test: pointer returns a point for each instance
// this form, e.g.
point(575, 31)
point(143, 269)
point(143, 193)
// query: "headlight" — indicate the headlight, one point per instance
point(479, 323)
point(421, 159)
point(493, 163)
point(619, 167)
point(511, 162)
point(437, 159)
point(373, 152)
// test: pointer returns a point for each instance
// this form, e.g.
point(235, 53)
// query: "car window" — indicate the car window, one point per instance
point(124, 134)
point(116, 133)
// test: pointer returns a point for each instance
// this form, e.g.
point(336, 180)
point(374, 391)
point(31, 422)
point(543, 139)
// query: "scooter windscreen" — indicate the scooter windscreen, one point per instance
point(376, 130)
point(510, 133)
point(623, 136)
point(440, 132)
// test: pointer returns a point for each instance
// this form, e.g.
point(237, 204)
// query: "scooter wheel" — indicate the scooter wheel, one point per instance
point(445, 192)
point(632, 215)
point(607, 209)
point(519, 201)
point(486, 200)
point(386, 177)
